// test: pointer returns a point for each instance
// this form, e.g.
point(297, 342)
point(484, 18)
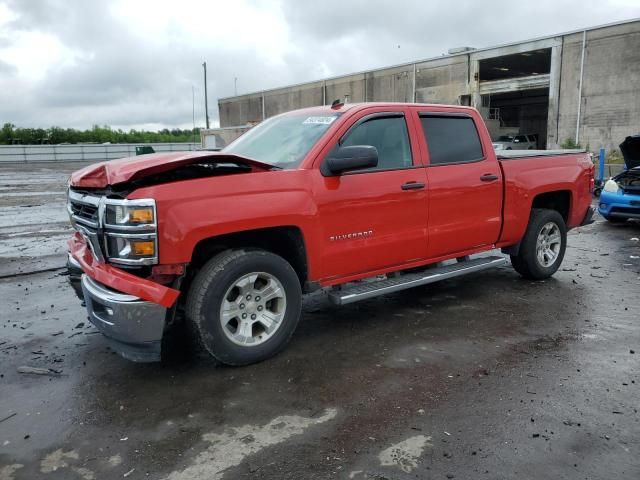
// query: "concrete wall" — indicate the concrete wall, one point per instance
point(610, 108)
point(610, 103)
point(285, 99)
point(221, 136)
point(240, 110)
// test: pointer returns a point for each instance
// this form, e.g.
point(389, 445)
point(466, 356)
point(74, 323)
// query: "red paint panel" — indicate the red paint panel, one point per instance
point(528, 177)
point(464, 212)
point(366, 220)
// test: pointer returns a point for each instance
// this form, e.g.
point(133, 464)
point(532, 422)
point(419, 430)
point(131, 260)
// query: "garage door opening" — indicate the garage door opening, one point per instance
point(522, 112)
point(525, 64)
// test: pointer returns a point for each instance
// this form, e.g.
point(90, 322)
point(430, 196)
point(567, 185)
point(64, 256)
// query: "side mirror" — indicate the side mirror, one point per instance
point(515, 140)
point(356, 157)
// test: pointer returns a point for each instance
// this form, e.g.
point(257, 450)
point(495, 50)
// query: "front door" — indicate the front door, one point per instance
point(376, 218)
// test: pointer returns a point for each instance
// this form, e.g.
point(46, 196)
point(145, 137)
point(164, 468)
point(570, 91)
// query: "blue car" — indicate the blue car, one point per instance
point(620, 197)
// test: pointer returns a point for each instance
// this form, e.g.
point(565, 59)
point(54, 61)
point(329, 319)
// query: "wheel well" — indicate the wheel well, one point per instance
point(559, 201)
point(286, 242)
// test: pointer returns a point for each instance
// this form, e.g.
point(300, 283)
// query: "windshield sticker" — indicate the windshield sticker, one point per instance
point(319, 120)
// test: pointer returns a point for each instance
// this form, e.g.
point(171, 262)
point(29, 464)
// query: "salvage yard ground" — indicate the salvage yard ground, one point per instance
point(487, 376)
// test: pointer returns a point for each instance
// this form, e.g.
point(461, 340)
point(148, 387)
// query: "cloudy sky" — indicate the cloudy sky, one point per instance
point(133, 63)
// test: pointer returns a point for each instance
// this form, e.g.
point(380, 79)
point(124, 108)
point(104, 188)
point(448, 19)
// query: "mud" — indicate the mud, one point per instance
point(487, 376)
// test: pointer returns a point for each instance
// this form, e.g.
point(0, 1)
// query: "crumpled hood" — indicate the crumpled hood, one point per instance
point(630, 149)
point(113, 172)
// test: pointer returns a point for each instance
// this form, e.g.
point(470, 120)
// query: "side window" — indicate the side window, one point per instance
point(451, 139)
point(390, 137)
point(521, 138)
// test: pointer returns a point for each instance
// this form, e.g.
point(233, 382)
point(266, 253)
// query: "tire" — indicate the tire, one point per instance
point(220, 294)
point(528, 263)
point(615, 219)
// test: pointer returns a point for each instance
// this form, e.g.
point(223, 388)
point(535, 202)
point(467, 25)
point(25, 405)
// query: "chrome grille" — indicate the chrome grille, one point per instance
point(84, 212)
point(84, 209)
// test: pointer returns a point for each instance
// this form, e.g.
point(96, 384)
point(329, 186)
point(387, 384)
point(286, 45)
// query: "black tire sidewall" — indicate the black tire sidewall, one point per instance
point(528, 250)
point(212, 335)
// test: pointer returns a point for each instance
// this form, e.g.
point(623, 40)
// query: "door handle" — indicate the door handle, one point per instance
point(412, 186)
point(488, 177)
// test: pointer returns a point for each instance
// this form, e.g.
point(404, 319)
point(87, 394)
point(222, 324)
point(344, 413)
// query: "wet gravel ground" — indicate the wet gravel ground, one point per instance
point(487, 376)
point(34, 224)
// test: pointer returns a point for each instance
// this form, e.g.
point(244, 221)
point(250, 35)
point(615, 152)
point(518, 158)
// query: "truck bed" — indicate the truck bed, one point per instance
point(540, 171)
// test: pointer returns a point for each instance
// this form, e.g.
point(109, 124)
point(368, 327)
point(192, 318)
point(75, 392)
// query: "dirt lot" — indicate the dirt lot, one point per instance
point(488, 376)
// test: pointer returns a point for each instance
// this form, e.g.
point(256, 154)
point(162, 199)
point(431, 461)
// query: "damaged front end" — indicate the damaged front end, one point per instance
point(620, 198)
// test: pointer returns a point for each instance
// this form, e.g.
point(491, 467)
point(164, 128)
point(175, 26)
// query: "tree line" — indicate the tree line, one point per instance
point(12, 135)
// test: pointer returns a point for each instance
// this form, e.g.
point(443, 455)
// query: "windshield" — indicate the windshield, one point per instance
point(505, 138)
point(282, 141)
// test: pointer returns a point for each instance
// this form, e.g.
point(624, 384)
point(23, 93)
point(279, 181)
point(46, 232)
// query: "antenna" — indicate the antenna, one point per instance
point(337, 104)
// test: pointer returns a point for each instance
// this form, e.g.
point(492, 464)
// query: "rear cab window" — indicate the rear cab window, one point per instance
point(451, 139)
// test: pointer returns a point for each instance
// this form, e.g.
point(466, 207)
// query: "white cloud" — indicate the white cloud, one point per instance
point(134, 62)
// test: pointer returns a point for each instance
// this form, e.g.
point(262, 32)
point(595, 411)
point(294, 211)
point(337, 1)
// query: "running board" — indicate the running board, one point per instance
point(362, 291)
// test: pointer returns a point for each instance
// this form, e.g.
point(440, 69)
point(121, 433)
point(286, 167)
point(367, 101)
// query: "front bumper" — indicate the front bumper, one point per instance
point(131, 312)
point(133, 327)
point(619, 205)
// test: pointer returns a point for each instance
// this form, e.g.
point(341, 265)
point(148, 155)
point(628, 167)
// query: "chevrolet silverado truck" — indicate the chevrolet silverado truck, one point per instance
point(359, 200)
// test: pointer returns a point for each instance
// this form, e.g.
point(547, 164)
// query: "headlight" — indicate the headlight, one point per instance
point(130, 234)
point(131, 249)
point(611, 186)
point(129, 215)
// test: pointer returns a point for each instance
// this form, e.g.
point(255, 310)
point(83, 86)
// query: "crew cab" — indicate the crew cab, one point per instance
point(358, 199)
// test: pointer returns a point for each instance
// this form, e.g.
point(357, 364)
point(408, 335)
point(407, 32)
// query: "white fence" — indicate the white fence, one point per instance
point(85, 152)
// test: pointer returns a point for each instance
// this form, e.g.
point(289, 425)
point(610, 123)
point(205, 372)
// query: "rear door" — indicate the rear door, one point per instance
point(464, 184)
point(377, 218)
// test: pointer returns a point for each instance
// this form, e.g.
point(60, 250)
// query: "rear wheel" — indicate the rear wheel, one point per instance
point(543, 246)
point(245, 305)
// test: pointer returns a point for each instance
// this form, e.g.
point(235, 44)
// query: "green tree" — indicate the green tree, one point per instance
point(96, 134)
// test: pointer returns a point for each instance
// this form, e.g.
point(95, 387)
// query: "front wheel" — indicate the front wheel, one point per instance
point(245, 305)
point(543, 246)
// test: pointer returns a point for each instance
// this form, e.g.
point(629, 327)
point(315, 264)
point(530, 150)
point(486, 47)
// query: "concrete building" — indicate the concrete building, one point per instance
point(582, 86)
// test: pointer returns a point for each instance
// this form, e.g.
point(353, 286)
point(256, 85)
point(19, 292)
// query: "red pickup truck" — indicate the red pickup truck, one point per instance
point(358, 199)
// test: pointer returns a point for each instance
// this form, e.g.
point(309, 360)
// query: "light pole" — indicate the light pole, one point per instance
point(193, 112)
point(206, 103)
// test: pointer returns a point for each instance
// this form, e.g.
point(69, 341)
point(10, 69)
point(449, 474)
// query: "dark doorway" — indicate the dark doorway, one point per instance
point(526, 110)
point(525, 64)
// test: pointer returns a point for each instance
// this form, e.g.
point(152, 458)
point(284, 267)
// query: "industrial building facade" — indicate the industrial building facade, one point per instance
point(580, 86)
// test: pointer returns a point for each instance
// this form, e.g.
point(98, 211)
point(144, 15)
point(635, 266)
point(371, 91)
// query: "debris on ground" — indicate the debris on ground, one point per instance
point(11, 415)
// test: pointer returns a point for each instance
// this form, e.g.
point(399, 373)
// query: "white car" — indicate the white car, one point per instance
point(515, 142)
